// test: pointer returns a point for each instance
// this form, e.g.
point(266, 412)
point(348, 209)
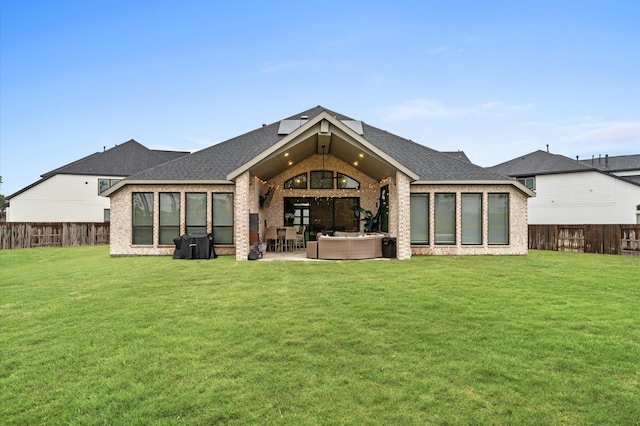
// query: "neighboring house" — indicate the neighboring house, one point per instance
point(313, 169)
point(578, 192)
point(621, 165)
point(71, 193)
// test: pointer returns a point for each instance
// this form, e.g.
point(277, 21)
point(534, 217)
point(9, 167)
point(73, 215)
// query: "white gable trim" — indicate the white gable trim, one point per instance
point(295, 137)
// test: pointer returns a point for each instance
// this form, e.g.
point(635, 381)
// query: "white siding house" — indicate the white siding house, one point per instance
point(71, 193)
point(572, 192)
point(587, 197)
point(61, 198)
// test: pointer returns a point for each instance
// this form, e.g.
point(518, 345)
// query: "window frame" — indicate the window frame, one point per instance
point(172, 228)
point(438, 219)
point(228, 224)
point(349, 179)
point(491, 220)
point(290, 183)
point(477, 218)
point(139, 230)
point(415, 214)
point(531, 179)
point(326, 175)
point(197, 227)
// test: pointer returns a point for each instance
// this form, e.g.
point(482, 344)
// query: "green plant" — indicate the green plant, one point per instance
point(369, 220)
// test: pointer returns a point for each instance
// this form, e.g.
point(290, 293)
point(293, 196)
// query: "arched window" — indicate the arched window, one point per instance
point(297, 182)
point(346, 182)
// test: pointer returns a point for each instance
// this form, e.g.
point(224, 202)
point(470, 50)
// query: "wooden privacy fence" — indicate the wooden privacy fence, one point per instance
point(52, 234)
point(604, 239)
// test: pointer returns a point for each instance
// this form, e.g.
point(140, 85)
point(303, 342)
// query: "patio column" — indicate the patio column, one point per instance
point(241, 216)
point(403, 201)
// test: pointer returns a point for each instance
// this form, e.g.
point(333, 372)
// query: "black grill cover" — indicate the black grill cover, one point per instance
point(194, 246)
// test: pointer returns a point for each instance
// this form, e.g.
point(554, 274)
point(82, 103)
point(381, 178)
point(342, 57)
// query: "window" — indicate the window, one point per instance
point(104, 184)
point(384, 208)
point(322, 179)
point(196, 212)
point(529, 182)
point(107, 215)
point(223, 218)
point(471, 218)
point(169, 217)
point(297, 182)
point(419, 218)
point(498, 218)
point(346, 182)
point(142, 218)
point(445, 219)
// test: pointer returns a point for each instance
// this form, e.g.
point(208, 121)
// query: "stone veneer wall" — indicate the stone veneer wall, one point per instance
point(241, 215)
point(122, 217)
point(273, 214)
point(518, 238)
point(402, 216)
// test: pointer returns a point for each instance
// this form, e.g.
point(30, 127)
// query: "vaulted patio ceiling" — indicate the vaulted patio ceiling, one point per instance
point(335, 141)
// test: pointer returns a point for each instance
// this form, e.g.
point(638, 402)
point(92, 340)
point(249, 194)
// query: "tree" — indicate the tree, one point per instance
point(3, 202)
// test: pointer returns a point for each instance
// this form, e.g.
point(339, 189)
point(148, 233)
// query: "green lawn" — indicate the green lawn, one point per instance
point(548, 338)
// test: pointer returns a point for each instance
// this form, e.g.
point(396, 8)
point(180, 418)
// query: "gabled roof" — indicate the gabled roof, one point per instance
point(544, 163)
point(460, 155)
point(217, 162)
point(539, 163)
point(618, 163)
point(122, 160)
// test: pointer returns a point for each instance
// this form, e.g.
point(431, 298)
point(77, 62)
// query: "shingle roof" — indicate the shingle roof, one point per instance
point(122, 160)
point(460, 155)
point(217, 161)
point(538, 163)
point(616, 163)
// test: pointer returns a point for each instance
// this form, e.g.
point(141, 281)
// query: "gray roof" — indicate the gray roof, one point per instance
point(122, 160)
point(545, 163)
point(616, 163)
point(217, 161)
point(539, 163)
point(460, 155)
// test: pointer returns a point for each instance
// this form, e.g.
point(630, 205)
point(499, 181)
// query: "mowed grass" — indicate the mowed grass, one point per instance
point(548, 338)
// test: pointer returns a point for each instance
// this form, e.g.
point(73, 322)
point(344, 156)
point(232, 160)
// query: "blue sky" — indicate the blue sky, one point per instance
point(495, 79)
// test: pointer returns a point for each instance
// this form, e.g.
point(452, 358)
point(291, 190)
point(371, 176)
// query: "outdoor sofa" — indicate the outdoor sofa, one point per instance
point(346, 246)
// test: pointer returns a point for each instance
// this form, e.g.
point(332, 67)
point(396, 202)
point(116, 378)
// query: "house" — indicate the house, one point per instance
point(71, 193)
point(578, 192)
point(621, 165)
point(313, 169)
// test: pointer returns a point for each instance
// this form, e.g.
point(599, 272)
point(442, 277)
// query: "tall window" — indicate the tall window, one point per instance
point(445, 219)
point(169, 217)
point(142, 218)
point(471, 213)
point(419, 218)
point(384, 208)
point(498, 218)
point(223, 218)
point(196, 213)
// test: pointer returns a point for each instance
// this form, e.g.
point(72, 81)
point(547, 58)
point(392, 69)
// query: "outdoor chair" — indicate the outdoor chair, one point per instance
point(300, 237)
point(271, 237)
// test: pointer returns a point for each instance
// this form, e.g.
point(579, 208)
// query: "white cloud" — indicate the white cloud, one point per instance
point(429, 108)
